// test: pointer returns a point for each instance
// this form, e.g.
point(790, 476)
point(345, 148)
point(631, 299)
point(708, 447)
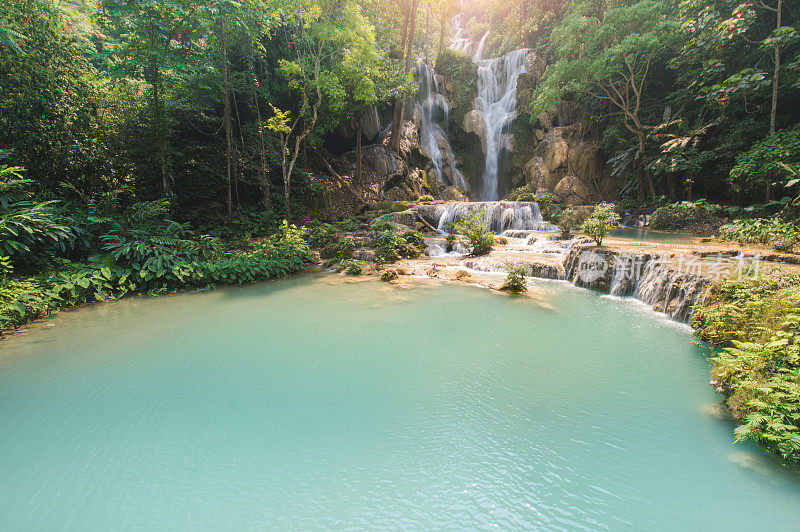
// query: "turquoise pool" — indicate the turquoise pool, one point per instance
point(323, 402)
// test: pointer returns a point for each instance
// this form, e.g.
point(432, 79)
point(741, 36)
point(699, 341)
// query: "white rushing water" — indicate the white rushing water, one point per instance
point(432, 108)
point(497, 103)
point(499, 215)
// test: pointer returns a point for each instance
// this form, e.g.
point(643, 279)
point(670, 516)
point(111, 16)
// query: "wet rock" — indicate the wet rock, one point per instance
point(453, 193)
point(474, 123)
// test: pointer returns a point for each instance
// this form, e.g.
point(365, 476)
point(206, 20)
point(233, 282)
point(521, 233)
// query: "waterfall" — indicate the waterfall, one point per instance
point(461, 41)
point(498, 215)
point(478, 55)
point(497, 103)
point(431, 135)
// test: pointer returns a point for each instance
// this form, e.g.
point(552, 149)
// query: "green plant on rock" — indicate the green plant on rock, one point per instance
point(477, 232)
point(567, 221)
point(388, 275)
point(337, 251)
point(783, 236)
point(425, 198)
point(320, 235)
point(515, 279)
point(390, 246)
point(348, 224)
point(351, 267)
point(599, 224)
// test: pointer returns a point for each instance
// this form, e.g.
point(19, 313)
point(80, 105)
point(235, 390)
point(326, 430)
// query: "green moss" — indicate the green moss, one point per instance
point(461, 72)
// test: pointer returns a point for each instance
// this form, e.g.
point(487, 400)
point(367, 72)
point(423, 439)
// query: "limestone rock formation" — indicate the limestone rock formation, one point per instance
point(474, 123)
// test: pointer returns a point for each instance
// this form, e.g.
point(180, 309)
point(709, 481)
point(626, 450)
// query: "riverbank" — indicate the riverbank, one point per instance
point(24, 299)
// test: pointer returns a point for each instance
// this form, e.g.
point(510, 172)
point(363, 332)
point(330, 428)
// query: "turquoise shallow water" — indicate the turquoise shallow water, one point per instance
point(649, 235)
point(319, 402)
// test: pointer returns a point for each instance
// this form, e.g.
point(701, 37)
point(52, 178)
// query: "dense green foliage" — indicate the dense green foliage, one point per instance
point(599, 223)
point(693, 216)
point(391, 246)
point(756, 322)
point(478, 235)
point(783, 236)
point(515, 279)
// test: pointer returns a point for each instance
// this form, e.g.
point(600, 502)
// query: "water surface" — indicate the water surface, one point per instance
point(319, 402)
point(650, 235)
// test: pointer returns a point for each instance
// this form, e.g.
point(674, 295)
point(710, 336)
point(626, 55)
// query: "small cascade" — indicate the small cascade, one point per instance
point(478, 55)
point(461, 41)
point(499, 215)
point(497, 103)
point(431, 109)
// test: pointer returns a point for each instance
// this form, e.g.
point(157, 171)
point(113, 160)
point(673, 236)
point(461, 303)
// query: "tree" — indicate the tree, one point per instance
point(157, 38)
point(477, 232)
point(409, 29)
point(610, 58)
point(598, 225)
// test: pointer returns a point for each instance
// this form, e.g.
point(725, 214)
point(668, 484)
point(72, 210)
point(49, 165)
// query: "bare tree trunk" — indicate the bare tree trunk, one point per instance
point(397, 115)
point(262, 168)
point(427, 30)
point(774, 110)
point(359, 118)
point(162, 143)
point(241, 158)
point(226, 117)
point(399, 110)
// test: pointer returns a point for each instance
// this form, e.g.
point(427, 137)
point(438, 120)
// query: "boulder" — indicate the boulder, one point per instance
point(381, 160)
point(453, 193)
point(474, 123)
point(535, 65)
point(575, 191)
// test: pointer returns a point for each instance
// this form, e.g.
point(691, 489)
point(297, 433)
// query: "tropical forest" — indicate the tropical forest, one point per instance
point(413, 264)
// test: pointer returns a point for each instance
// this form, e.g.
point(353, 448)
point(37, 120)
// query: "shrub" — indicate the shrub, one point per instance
point(320, 235)
point(462, 274)
point(426, 197)
point(349, 224)
point(390, 246)
point(567, 221)
point(450, 241)
point(598, 225)
point(697, 216)
point(477, 233)
point(757, 323)
point(414, 238)
point(500, 240)
point(515, 280)
point(783, 236)
point(351, 267)
point(337, 251)
point(388, 275)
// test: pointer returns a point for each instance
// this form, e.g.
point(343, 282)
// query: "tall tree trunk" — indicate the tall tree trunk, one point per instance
point(162, 142)
point(775, 78)
point(359, 118)
point(399, 110)
point(287, 182)
point(397, 115)
point(239, 159)
point(427, 30)
point(774, 110)
point(440, 46)
point(262, 169)
point(227, 117)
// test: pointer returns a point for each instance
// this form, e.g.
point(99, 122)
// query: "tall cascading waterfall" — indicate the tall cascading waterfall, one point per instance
point(497, 103)
point(499, 215)
point(432, 136)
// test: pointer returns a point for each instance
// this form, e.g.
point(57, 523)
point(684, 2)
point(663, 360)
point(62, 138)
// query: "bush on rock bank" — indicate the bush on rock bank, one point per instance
point(755, 324)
